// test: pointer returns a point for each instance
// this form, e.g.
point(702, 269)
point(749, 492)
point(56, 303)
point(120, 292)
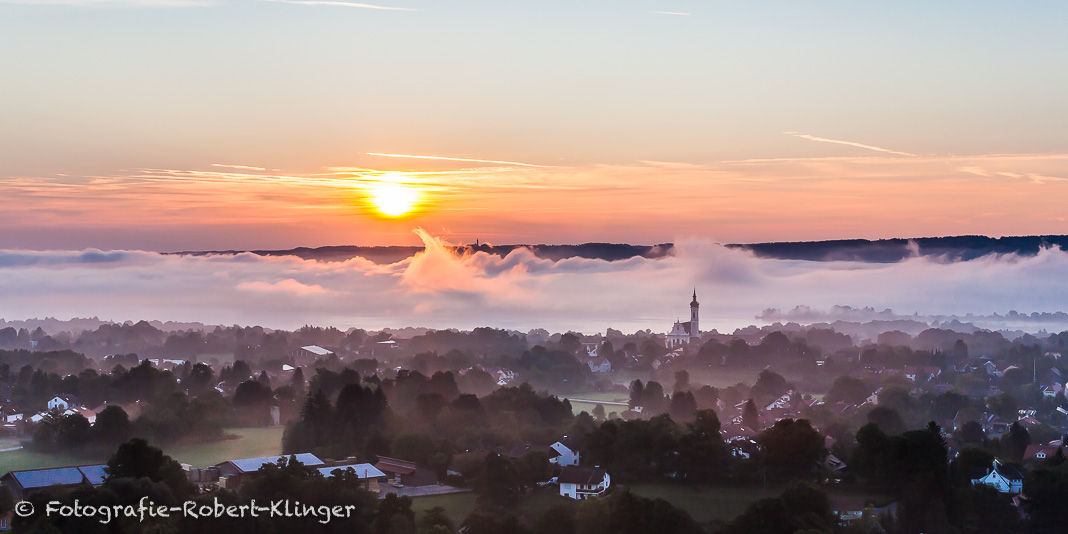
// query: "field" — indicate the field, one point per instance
point(457, 505)
point(251, 443)
point(716, 503)
point(705, 503)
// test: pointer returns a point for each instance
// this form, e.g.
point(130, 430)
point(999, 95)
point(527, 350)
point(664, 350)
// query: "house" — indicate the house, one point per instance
point(1004, 478)
point(583, 482)
point(599, 365)
point(921, 373)
point(565, 451)
point(1041, 452)
point(233, 473)
point(63, 402)
point(89, 415)
point(310, 353)
point(404, 473)
point(23, 483)
point(365, 472)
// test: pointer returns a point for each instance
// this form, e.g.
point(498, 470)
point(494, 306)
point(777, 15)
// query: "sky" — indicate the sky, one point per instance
point(170, 125)
point(133, 127)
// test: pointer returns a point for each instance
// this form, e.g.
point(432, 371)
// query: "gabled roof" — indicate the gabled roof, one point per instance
point(572, 442)
point(362, 470)
point(581, 475)
point(248, 465)
point(317, 350)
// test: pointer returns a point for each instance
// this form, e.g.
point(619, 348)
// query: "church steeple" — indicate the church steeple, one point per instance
point(694, 330)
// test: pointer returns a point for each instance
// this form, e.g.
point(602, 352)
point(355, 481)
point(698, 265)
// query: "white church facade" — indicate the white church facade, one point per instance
point(684, 333)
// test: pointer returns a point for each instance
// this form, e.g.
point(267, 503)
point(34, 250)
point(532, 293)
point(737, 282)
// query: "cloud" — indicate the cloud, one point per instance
point(848, 143)
point(671, 13)
point(443, 158)
point(441, 289)
point(239, 167)
point(338, 3)
point(288, 285)
point(113, 3)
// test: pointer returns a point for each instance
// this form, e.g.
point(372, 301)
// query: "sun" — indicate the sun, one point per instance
point(393, 199)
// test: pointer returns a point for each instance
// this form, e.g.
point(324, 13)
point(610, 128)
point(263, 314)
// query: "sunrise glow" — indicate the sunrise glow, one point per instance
point(394, 199)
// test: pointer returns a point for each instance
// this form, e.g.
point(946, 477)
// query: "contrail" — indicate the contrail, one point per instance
point(849, 143)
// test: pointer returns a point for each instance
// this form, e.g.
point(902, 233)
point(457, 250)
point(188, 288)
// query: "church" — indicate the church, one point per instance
point(684, 333)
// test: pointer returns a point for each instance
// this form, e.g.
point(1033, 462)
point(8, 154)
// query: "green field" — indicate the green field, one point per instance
point(251, 443)
point(712, 503)
point(457, 505)
point(705, 504)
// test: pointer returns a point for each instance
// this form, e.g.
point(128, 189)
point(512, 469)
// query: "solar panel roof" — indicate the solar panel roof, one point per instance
point(42, 478)
point(362, 470)
point(248, 465)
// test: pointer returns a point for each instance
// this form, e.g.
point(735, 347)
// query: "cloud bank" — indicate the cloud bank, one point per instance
point(440, 289)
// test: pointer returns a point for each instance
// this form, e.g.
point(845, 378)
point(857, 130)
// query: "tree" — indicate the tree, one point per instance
point(682, 380)
point(848, 390)
point(500, 481)
point(1016, 441)
point(750, 415)
point(887, 419)
point(598, 413)
point(682, 406)
point(137, 459)
point(792, 448)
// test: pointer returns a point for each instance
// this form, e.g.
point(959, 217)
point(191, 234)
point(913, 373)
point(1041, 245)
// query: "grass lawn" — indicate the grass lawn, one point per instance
point(25, 459)
point(252, 443)
point(457, 505)
point(705, 503)
point(708, 503)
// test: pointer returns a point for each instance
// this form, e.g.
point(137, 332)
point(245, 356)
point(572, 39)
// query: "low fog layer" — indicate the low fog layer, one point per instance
point(439, 288)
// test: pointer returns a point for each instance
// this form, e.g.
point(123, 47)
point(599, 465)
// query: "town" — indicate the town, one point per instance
point(890, 428)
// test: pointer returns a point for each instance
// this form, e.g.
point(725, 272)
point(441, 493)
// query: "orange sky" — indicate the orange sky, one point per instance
point(231, 205)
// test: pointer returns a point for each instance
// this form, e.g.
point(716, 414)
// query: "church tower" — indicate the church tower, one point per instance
point(694, 330)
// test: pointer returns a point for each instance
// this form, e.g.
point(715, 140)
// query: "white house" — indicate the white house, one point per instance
point(583, 482)
point(1004, 478)
point(599, 365)
point(62, 402)
point(565, 451)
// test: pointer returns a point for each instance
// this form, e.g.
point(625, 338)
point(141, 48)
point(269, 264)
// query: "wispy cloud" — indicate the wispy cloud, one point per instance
point(112, 3)
point(338, 3)
point(444, 158)
point(239, 167)
point(849, 143)
point(671, 13)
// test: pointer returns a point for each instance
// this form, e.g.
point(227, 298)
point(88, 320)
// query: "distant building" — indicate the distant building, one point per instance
point(63, 402)
point(685, 333)
point(1004, 478)
point(583, 482)
point(565, 451)
point(405, 473)
point(365, 472)
point(599, 365)
point(233, 473)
